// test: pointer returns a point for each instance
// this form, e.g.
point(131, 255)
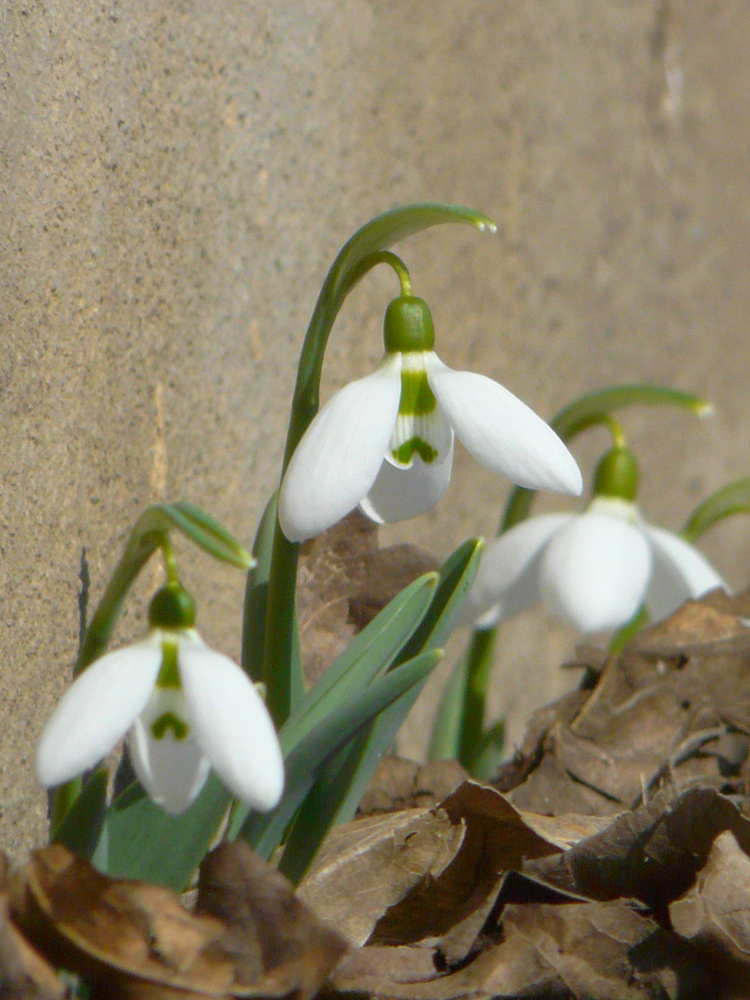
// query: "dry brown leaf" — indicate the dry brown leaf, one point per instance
point(344, 580)
point(109, 930)
point(717, 907)
point(369, 865)
point(545, 951)
point(652, 854)
point(496, 839)
point(668, 712)
point(24, 974)
point(405, 784)
point(278, 945)
point(249, 935)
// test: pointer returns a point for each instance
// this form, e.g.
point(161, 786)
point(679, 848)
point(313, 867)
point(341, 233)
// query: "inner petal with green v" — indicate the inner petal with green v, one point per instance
point(421, 427)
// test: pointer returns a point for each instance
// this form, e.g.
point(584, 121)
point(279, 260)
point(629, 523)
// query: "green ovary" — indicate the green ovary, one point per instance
point(167, 721)
point(414, 446)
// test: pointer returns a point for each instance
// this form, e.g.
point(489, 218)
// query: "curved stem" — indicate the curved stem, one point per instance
point(281, 670)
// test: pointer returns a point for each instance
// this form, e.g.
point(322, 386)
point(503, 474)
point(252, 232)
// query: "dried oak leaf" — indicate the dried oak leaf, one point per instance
point(652, 854)
point(118, 934)
point(278, 945)
point(344, 580)
point(453, 906)
point(717, 907)
point(404, 784)
point(666, 711)
point(249, 938)
point(24, 973)
point(367, 866)
point(546, 951)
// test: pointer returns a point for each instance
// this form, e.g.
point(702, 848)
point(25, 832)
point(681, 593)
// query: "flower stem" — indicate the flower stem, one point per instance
point(281, 669)
point(479, 668)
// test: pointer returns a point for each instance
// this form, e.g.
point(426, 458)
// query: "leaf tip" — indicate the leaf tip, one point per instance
point(485, 225)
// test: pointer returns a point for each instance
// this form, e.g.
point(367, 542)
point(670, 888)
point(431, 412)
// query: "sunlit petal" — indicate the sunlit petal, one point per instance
point(232, 726)
point(398, 493)
point(503, 433)
point(96, 711)
point(680, 573)
point(340, 454)
point(595, 571)
point(172, 771)
point(507, 581)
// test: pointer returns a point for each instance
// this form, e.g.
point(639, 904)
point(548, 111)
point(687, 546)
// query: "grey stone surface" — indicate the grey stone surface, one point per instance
point(176, 179)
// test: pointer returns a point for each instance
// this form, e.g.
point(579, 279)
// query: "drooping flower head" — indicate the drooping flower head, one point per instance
point(594, 569)
point(185, 707)
point(385, 442)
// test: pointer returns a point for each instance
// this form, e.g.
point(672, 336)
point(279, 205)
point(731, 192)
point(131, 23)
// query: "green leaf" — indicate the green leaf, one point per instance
point(734, 498)
point(336, 795)
point(593, 409)
point(455, 578)
point(81, 828)
point(302, 766)
point(445, 739)
point(369, 654)
point(141, 841)
point(358, 255)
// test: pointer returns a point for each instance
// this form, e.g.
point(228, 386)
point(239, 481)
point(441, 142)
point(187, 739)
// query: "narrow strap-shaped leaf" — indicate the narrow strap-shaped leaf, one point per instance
point(82, 826)
point(455, 578)
point(337, 793)
point(370, 653)
point(144, 842)
point(302, 766)
point(734, 498)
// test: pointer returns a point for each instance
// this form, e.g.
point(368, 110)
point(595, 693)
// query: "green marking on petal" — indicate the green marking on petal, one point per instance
point(417, 398)
point(169, 674)
point(413, 446)
point(169, 721)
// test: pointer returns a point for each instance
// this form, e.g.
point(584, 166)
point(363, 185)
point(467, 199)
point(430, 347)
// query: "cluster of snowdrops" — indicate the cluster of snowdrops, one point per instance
point(221, 749)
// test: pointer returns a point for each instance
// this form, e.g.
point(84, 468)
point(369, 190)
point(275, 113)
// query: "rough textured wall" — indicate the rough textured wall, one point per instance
point(176, 179)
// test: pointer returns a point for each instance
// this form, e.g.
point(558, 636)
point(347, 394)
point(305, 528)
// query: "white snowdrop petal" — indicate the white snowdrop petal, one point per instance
point(507, 583)
point(595, 571)
point(680, 573)
point(233, 727)
point(96, 711)
point(172, 771)
point(398, 493)
point(340, 454)
point(503, 433)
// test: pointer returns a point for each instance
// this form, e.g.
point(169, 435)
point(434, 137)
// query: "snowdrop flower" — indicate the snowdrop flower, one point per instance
point(593, 569)
point(185, 707)
point(385, 442)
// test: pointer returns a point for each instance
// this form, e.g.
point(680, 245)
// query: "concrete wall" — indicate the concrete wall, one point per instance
point(176, 179)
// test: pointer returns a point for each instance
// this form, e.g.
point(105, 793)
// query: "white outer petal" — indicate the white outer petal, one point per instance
point(507, 581)
point(96, 711)
point(340, 454)
point(503, 433)
point(680, 573)
point(232, 726)
point(595, 571)
point(399, 493)
point(172, 771)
